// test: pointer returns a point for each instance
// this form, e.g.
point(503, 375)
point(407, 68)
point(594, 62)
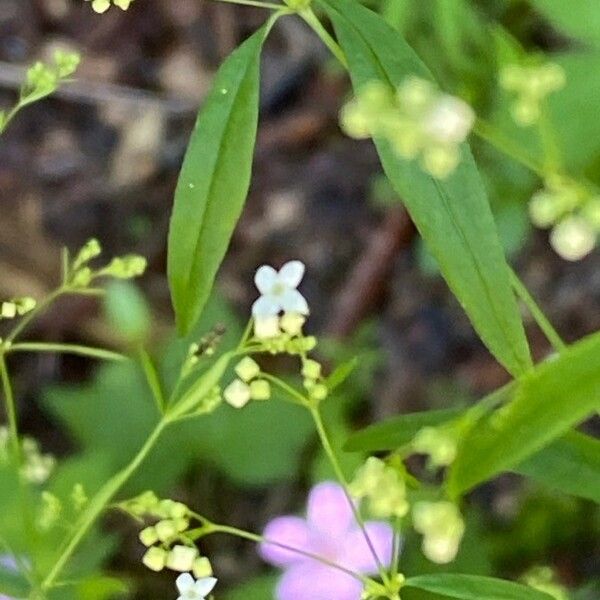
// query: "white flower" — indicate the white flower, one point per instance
point(278, 290)
point(237, 393)
point(191, 589)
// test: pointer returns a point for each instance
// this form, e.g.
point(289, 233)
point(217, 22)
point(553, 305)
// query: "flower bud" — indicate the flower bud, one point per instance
point(237, 394)
point(247, 369)
point(202, 567)
point(573, 238)
point(260, 389)
point(311, 369)
point(181, 558)
point(155, 558)
point(292, 323)
point(166, 530)
point(266, 327)
point(148, 536)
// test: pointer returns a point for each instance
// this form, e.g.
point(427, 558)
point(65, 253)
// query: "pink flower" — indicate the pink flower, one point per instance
point(329, 531)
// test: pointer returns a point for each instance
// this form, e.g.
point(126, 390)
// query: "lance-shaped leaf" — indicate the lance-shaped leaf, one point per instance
point(571, 464)
point(475, 587)
point(452, 215)
point(214, 180)
point(548, 402)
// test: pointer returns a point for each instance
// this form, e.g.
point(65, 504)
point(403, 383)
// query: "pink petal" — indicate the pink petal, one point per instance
point(290, 531)
point(329, 511)
point(311, 580)
point(291, 273)
point(356, 553)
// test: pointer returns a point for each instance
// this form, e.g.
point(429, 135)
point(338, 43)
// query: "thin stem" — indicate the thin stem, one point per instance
point(549, 143)
point(288, 389)
point(99, 503)
point(13, 428)
point(77, 349)
point(316, 415)
point(496, 138)
point(247, 535)
point(540, 318)
point(312, 20)
point(396, 549)
point(268, 5)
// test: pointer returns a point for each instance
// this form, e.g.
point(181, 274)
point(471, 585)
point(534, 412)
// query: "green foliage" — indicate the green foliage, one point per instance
point(583, 23)
point(557, 395)
point(214, 181)
point(474, 587)
point(453, 215)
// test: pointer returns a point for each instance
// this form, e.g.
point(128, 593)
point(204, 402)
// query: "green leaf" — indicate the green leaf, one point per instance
point(549, 401)
point(453, 215)
point(474, 587)
point(341, 373)
point(397, 431)
point(214, 180)
point(571, 464)
point(12, 584)
point(583, 23)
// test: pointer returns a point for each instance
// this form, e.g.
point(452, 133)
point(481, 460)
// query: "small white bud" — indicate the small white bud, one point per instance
point(237, 394)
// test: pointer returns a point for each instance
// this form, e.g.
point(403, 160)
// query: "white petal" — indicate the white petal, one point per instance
point(265, 279)
point(293, 301)
point(184, 583)
point(266, 306)
point(205, 586)
point(291, 273)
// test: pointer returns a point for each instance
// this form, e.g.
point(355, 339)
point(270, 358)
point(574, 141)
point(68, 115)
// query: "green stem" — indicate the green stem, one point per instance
point(256, 3)
point(540, 318)
point(288, 389)
point(77, 349)
point(498, 140)
point(11, 413)
point(312, 20)
point(210, 528)
point(99, 503)
point(326, 443)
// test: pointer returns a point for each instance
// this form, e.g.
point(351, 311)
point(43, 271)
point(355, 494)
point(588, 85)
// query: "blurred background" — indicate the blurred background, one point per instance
point(101, 159)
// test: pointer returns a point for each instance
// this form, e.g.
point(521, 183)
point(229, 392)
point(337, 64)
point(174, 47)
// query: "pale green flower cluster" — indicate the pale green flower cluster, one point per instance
point(531, 84)
point(101, 6)
point(248, 385)
point(543, 578)
point(572, 213)
point(383, 487)
point(166, 541)
point(442, 527)
point(78, 273)
point(42, 79)
point(418, 121)
point(36, 467)
point(17, 307)
point(438, 443)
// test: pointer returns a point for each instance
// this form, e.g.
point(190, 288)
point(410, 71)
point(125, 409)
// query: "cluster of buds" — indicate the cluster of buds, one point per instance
point(531, 84)
point(543, 578)
point(17, 307)
point(439, 444)
point(248, 385)
point(418, 121)
point(442, 527)
point(384, 488)
point(313, 380)
point(166, 541)
point(573, 214)
point(101, 6)
point(36, 467)
point(80, 275)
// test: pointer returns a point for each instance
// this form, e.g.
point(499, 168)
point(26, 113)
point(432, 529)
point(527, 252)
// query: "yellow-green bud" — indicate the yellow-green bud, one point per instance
point(202, 567)
point(82, 278)
point(318, 392)
point(126, 267)
point(148, 536)
point(573, 238)
point(266, 327)
point(439, 444)
point(440, 161)
point(292, 323)
point(91, 250)
point(24, 305)
point(155, 558)
point(311, 369)
point(8, 310)
point(260, 389)
point(181, 558)
point(247, 369)
point(166, 530)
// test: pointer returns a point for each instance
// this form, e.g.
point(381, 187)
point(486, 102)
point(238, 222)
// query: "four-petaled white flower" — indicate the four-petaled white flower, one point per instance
point(278, 290)
point(192, 589)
